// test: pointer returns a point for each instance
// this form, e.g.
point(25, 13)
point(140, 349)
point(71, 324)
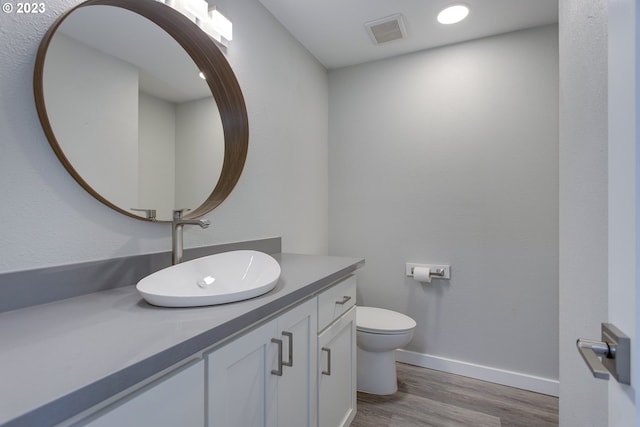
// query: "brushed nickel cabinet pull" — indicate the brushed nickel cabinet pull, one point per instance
point(290, 336)
point(328, 371)
point(344, 300)
point(278, 371)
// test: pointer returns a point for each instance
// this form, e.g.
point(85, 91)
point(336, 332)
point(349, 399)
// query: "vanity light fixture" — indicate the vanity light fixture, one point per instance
point(209, 19)
point(453, 14)
point(220, 23)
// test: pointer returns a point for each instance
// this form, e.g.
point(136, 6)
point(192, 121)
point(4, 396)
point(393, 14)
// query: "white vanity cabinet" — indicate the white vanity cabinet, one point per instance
point(266, 377)
point(337, 355)
point(296, 369)
point(204, 366)
point(174, 400)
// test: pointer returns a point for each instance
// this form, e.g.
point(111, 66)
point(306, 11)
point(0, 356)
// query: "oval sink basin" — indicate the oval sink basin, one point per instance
point(214, 279)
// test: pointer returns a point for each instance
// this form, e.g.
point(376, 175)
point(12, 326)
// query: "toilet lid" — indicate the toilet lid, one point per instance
point(382, 321)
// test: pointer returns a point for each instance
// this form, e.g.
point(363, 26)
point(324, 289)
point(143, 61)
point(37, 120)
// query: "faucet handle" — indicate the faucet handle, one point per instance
point(177, 213)
point(149, 213)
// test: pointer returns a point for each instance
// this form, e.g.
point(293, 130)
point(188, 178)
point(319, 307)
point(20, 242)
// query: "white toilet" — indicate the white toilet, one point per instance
point(379, 333)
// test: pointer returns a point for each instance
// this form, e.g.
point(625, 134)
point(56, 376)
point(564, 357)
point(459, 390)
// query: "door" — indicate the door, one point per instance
point(588, 298)
point(297, 387)
point(337, 372)
point(240, 390)
point(624, 198)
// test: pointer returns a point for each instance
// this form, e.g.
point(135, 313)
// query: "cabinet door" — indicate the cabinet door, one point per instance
point(241, 391)
point(337, 372)
point(174, 400)
point(297, 387)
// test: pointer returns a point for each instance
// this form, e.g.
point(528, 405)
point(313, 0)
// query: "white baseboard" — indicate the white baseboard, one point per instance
point(484, 373)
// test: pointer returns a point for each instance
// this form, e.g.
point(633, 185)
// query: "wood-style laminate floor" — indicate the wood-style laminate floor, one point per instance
point(431, 398)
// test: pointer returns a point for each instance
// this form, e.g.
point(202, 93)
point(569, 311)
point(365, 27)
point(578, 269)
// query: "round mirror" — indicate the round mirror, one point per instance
point(141, 107)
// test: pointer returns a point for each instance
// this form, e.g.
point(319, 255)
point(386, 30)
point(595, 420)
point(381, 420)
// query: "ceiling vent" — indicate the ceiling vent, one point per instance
point(387, 29)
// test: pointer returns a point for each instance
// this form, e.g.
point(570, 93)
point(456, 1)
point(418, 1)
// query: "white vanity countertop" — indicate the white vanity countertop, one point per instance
point(61, 358)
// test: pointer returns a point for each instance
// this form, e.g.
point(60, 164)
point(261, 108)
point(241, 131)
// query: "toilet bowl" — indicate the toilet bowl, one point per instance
point(379, 333)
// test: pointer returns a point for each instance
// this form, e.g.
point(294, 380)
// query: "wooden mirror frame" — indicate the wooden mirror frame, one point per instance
point(219, 77)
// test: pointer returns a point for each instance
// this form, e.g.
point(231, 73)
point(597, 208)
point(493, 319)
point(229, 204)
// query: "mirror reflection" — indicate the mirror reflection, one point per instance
point(131, 113)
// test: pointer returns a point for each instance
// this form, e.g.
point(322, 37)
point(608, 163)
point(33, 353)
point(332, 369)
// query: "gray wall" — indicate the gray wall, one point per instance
point(194, 133)
point(47, 219)
point(583, 204)
point(156, 154)
point(92, 101)
point(451, 156)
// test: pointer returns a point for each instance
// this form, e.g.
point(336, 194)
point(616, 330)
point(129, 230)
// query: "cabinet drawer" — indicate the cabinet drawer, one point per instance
point(336, 301)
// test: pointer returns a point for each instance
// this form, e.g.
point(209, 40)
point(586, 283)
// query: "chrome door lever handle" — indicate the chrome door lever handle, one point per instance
point(590, 350)
point(612, 355)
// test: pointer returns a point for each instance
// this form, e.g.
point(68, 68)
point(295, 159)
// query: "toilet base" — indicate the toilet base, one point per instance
point(377, 372)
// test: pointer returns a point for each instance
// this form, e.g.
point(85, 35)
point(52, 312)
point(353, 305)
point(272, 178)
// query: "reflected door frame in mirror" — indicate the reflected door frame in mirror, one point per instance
point(219, 77)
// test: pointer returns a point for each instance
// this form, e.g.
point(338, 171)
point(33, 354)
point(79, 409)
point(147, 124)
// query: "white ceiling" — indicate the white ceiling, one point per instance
point(334, 31)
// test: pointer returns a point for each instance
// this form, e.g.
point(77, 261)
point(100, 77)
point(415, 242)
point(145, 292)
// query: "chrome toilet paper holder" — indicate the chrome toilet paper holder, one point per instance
point(436, 271)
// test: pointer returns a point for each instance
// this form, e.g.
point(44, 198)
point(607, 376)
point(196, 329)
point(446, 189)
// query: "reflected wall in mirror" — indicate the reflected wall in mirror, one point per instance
point(120, 97)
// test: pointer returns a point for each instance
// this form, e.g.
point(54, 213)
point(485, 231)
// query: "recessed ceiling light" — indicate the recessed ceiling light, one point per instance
point(453, 14)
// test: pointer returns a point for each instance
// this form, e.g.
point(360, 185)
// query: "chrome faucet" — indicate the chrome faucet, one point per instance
point(176, 233)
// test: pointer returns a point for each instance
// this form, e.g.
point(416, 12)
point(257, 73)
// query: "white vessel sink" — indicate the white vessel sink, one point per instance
point(215, 279)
